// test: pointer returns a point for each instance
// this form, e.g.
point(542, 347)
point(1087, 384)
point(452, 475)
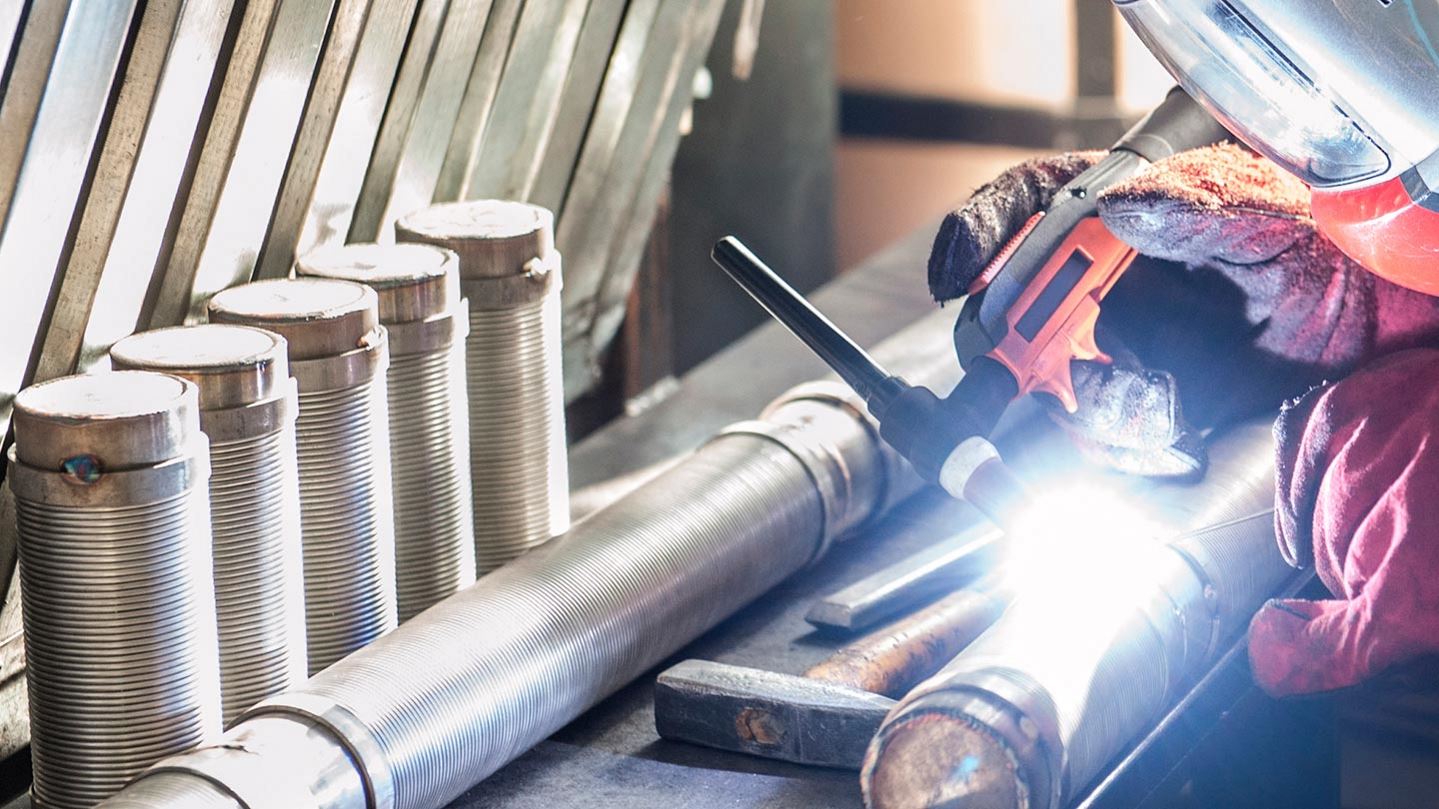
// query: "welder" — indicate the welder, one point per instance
point(1298, 269)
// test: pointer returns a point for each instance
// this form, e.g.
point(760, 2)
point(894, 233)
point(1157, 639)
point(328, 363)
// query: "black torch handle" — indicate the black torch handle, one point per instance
point(853, 365)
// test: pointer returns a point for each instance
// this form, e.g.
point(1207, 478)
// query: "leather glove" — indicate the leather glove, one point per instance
point(1248, 306)
point(1358, 477)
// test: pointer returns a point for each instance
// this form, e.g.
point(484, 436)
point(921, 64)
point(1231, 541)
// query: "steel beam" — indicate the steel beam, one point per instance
point(506, 160)
point(479, 101)
point(629, 241)
point(597, 45)
point(157, 112)
point(609, 166)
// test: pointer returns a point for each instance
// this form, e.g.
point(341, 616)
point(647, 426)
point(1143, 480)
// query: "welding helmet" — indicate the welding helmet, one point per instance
point(1342, 93)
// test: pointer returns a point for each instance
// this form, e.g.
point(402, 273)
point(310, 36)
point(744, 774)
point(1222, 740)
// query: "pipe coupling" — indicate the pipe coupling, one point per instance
point(353, 734)
point(823, 464)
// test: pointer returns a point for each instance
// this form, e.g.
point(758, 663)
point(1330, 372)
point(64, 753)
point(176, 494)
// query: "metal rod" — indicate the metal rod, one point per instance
point(790, 308)
point(926, 575)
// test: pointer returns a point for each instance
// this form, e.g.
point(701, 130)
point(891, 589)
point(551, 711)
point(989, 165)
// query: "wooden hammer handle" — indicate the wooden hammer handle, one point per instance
point(892, 660)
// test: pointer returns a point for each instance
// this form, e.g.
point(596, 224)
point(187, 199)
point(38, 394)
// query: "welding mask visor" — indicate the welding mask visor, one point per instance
point(1266, 97)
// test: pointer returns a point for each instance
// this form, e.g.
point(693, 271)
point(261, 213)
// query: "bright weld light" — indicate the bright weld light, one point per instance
point(1084, 549)
point(1081, 563)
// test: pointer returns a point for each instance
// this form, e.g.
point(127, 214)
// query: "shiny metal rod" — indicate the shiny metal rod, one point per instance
point(109, 478)
point(338, 356)
point(481, 677)
point(510, 273)
point(421, 308)
point(247, 409)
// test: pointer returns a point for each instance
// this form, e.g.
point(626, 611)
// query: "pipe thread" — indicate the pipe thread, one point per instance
point(119, 638)
point(259, 589)
point(517, 429)
point(346, 520)
point(429, 460)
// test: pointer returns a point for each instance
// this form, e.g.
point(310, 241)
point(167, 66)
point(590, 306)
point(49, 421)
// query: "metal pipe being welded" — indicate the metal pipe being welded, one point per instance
point(450, 697)
point(1080, 667)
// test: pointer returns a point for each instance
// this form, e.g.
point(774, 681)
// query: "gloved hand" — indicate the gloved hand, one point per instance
point(1259, 306)
point(1358, 479)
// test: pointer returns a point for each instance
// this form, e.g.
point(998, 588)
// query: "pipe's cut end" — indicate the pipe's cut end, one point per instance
point(931, 758)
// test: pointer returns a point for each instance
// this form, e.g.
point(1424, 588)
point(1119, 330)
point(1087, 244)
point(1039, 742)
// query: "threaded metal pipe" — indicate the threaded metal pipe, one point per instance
point(484, 675)
point(247, 409)
point(109, 477)
point(421, 308)
point(1057, 688)
point(338, 355)
point(510, 274)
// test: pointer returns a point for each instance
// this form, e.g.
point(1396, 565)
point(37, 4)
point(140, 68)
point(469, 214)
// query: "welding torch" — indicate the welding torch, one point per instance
point(1028, 315)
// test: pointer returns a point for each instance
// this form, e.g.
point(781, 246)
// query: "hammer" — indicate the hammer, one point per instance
point(827, 716)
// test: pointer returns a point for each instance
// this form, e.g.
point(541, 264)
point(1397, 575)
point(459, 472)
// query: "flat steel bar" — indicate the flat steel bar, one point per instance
point(405, 166)
point(597, 48)
point(629, 241)
point(609, 169)
point(928, 574)
point(399, 110)
point(478, 104)
point(243, 158)
point(59, 150)
point(11, 12)
point(342, 118)
point(157, 113)
point(507, 161)
point(39, 41)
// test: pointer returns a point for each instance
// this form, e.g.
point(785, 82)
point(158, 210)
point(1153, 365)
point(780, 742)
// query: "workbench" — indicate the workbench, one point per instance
point(1228, 745)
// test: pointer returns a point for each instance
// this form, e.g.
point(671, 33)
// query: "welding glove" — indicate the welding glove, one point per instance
point(1246, 304)
point(1358, 498)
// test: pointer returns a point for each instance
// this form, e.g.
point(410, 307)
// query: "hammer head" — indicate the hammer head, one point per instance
point(764, 713)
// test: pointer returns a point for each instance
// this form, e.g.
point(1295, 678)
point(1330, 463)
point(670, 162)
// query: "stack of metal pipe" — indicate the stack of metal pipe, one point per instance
point(460, 690)
point(421, 309)
point(153, 154)
point(338, 354)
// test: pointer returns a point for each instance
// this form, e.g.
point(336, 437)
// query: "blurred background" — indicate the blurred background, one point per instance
point(863, 120)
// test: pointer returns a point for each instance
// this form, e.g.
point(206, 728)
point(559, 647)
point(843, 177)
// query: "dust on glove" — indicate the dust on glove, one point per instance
point(1358, 498)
